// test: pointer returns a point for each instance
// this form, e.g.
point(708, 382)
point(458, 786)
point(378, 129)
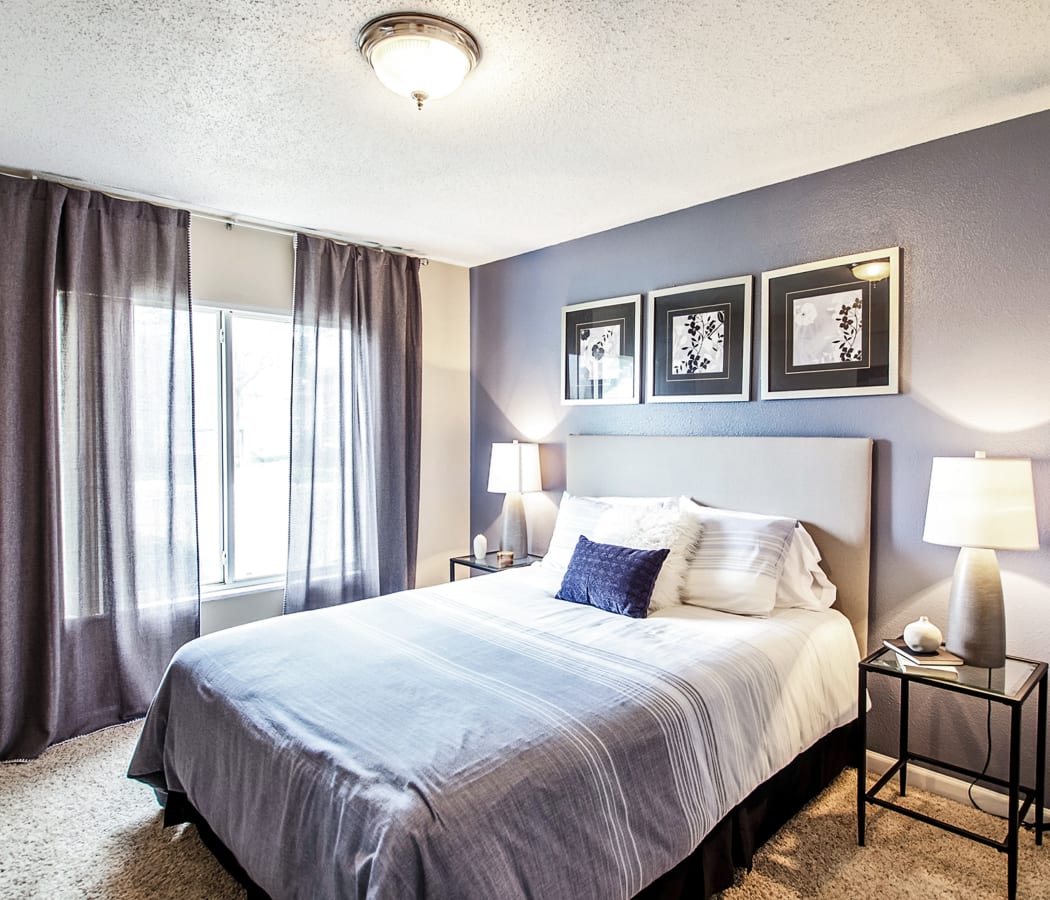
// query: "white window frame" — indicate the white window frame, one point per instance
point(226, 337)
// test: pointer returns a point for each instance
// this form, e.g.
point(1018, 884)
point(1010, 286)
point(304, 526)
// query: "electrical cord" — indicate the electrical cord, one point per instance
point(988, 755)
point(987, 762)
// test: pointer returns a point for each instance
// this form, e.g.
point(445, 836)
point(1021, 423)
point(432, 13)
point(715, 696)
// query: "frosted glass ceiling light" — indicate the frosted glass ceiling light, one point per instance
point(419, 56)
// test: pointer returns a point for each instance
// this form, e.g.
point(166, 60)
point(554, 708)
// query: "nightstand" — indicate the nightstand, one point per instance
point(1009, 686)
point(487, 563)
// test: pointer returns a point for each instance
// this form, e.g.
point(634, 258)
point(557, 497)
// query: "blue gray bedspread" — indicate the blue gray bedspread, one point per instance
point(482, 740)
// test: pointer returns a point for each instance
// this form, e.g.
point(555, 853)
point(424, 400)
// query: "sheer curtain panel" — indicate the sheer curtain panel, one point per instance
point(356, 383)
point(98, 533)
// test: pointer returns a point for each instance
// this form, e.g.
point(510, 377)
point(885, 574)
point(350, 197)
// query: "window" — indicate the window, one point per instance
point(242, 373)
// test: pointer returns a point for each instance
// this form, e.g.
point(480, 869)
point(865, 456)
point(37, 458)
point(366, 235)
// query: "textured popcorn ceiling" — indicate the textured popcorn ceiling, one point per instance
point(581, 116)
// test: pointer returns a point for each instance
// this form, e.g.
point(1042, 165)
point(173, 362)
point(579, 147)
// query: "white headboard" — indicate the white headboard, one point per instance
point(823, 482)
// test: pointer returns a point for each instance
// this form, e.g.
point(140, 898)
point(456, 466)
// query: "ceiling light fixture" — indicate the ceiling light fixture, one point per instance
point(874, 270)
point(417, 55)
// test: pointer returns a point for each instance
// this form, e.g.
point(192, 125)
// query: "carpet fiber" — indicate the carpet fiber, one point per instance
point(73, 826)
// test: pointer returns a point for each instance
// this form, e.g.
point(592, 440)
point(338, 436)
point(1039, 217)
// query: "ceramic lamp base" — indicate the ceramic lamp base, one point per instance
point(515, 535)
point(976, 617)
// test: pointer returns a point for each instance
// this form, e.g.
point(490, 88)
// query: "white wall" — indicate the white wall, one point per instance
point(444, 478)
point(240, 608)
point(245, 268)
point(240, 268)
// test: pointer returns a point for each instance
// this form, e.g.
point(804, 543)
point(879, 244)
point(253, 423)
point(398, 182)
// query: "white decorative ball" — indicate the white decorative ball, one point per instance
point(481, 546)
point(923, 635)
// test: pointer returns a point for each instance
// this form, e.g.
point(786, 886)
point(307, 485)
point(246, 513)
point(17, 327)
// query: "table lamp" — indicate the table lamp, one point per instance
point(980, 505)
point(513, 469)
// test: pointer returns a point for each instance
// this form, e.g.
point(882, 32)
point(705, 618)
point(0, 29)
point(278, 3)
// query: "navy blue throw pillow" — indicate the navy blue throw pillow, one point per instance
point(616, 579)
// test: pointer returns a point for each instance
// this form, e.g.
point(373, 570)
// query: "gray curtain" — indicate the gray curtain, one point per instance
point(98, 531)
point(356, 384)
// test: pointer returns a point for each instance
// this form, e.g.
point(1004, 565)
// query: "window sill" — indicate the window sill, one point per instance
point(228, 591)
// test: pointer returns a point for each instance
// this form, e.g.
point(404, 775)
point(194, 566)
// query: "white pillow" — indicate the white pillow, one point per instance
point(803, 584)
point(576, 516)
point(739, 560)
point(639, 501)
point(579, 515)
point(654, 527)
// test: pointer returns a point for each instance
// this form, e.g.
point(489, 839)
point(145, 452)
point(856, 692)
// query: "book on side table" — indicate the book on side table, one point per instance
point(944, 673)
point(939, 663)
point(938, 657)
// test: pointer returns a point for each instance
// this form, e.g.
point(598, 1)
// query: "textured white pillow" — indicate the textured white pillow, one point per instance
point(576, 516)
point(739, 560)
point(803, 584)
point(654, 527)
point(639, 501)
point(579, 515)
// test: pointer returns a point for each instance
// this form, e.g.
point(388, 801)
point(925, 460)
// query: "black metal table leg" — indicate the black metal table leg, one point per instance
point(1040, 761)
point(451, 571)
point(902, 750)
point(862, 751)
point(1015, 782)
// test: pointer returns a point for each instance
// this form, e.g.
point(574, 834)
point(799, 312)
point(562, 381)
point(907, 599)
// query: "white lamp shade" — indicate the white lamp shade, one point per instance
point(411, 64)
point(985, 503)
point(514, 468)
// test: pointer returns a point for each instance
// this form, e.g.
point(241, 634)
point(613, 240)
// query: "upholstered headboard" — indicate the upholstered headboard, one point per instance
point(823, 482)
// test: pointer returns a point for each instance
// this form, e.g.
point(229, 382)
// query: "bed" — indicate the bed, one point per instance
point(482, 739)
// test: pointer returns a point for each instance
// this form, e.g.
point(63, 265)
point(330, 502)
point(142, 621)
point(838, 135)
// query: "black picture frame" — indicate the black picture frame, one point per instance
point(831, 328)
point(699, 342)
point(600, 351)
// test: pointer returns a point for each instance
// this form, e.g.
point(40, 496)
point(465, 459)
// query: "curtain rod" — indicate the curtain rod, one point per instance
point(203, 212)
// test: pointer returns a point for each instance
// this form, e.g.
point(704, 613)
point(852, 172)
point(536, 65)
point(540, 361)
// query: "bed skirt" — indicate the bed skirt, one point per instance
point(734, 841)
point(729, 846)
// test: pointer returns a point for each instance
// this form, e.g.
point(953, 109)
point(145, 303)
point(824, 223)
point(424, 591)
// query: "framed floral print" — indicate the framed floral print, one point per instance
point(830, 328)
point(699, 342)
point(600, 349)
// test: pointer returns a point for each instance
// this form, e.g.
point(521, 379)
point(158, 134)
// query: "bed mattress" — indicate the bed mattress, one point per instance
point(483, 739)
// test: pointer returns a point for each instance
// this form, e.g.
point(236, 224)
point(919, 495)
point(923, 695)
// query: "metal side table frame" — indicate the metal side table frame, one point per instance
point(1009, 686)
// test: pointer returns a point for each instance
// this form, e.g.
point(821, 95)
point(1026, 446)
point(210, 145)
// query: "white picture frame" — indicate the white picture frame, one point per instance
point(828, 333)
point(698, 342)
point(601, 352)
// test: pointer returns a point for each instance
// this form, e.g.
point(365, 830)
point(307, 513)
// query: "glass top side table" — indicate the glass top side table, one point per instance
point(1010, 685)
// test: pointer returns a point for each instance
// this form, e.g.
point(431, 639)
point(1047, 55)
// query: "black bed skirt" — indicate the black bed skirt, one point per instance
point(734, 841)
point(729, 846)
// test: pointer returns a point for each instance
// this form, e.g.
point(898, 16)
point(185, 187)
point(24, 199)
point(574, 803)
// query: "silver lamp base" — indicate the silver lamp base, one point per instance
point(976, 618)
point(515, 532)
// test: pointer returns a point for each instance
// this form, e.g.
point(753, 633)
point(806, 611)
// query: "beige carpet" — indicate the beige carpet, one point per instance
point(71, 825)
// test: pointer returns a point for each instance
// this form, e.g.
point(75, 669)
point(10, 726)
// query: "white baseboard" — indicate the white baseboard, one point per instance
point(946, 786)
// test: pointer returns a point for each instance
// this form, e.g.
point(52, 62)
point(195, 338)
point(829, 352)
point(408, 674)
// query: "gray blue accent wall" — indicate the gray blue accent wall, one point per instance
point(972, 214)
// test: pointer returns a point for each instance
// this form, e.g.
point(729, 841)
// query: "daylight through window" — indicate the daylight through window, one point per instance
point(242, 373)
